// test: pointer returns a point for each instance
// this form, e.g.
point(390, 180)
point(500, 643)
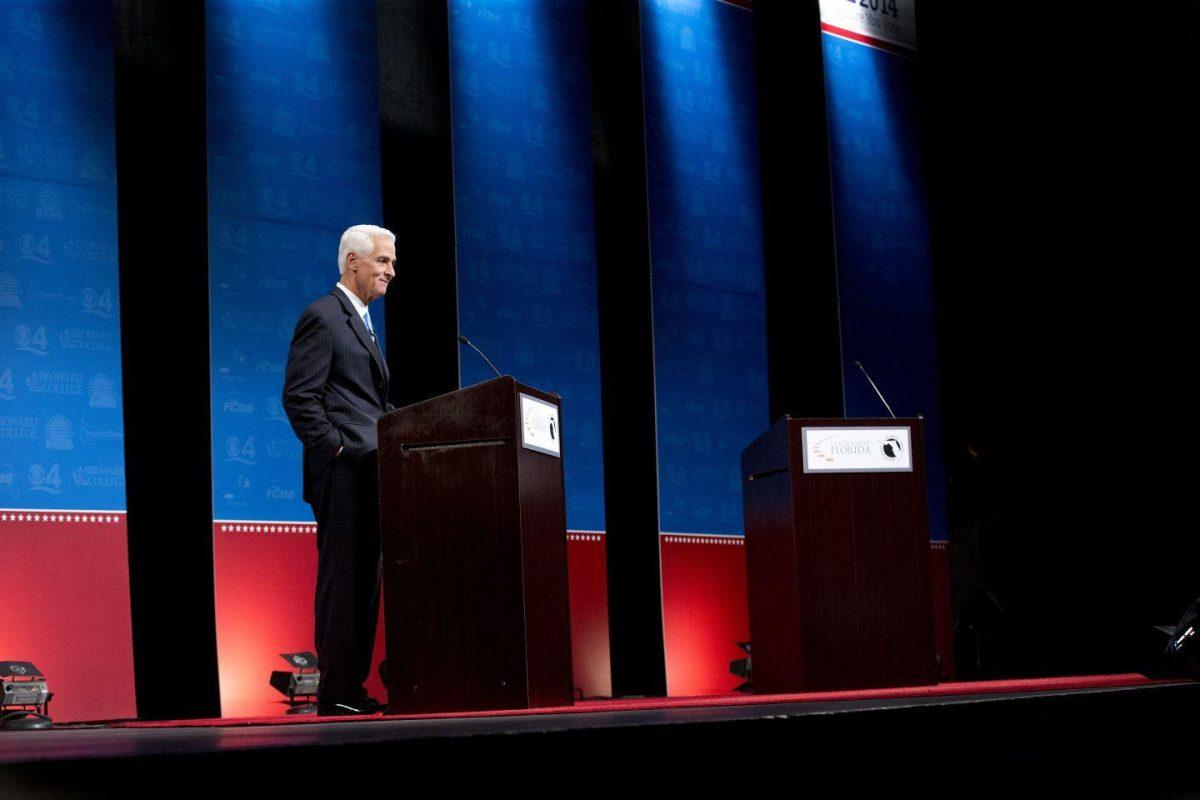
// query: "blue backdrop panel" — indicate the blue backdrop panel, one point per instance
point(523, 216)
point(293, 160)
point(61, 427)
point(882, 236)
point(710, 348)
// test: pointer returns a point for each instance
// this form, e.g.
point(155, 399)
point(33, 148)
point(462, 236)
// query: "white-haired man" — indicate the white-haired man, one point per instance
point(334, 391)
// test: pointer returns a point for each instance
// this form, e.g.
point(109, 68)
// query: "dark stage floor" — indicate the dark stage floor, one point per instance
point(1118, 735)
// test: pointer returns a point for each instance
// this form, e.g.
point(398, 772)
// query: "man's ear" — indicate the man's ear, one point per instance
point(351, 257)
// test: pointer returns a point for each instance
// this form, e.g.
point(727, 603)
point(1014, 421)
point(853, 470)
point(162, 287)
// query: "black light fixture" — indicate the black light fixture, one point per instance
point(743, 668)
point(25, 700)
point(300, 684)
point(1183, 651)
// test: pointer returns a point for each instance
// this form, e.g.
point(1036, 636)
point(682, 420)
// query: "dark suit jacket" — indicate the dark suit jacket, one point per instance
point(335, 387)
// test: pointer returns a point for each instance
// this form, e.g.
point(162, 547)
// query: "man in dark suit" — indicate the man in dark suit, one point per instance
point(334, 391)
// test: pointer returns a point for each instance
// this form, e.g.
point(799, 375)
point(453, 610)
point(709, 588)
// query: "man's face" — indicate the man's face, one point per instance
point(369, 276)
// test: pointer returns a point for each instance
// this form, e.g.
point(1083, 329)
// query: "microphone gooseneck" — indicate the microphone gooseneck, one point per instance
point(469, 344)
point(876, 388)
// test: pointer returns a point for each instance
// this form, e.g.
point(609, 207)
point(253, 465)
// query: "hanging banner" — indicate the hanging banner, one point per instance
point(881, 23)
point(62, 438)
point(526, 256)
point(293, 160)
point(885, 284)
point(709, 306)
point(523, 216)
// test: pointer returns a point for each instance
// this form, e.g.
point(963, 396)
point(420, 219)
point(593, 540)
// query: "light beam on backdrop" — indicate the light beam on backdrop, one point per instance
point(709, 319)
point(293, 160)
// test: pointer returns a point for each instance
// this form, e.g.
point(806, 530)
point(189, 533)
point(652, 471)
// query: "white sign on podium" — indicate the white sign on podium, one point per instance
point(858, 449)
point(540, 430)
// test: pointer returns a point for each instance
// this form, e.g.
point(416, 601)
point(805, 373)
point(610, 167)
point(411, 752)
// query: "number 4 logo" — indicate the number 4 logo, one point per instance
point(45, 480)
point(32, 340)
point(242, 452)
point(887, 7)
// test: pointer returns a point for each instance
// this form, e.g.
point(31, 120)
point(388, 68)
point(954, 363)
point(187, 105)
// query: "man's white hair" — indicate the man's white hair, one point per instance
point(360, 240)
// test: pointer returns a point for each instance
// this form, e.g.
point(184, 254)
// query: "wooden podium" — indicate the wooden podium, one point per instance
point(837, 562)
point(473, 526)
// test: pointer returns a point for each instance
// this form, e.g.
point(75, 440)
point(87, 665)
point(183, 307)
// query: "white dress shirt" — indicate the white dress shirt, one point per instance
point(359, 305)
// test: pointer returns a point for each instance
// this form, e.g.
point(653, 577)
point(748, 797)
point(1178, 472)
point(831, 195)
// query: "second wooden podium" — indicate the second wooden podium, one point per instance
point(473, 523)
point(837, 555)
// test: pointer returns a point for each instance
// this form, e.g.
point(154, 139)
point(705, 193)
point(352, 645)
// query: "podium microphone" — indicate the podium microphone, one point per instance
point(865, 375)
point(468, 343)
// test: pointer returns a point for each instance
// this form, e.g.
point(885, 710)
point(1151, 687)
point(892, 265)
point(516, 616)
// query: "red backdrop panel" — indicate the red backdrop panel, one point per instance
point(66, 609)
point(265, 576)
point(587, 571)
point(264, 585)
point(264, 592)
point(704, 611)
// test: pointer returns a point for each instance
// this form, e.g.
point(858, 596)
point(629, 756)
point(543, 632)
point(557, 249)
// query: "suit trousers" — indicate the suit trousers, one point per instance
point(348, 572)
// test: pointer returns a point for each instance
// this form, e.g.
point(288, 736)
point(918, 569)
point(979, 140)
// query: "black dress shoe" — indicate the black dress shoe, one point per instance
point(364, 707)
point(372, 706)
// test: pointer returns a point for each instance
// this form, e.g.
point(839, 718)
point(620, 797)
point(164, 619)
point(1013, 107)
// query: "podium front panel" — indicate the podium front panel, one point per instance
point(837, 564)
point(474, 547)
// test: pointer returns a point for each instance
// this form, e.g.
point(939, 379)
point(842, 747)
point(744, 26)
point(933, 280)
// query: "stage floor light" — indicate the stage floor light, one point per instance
point(1182, 648)
point(25, 700)
point(299, 685)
